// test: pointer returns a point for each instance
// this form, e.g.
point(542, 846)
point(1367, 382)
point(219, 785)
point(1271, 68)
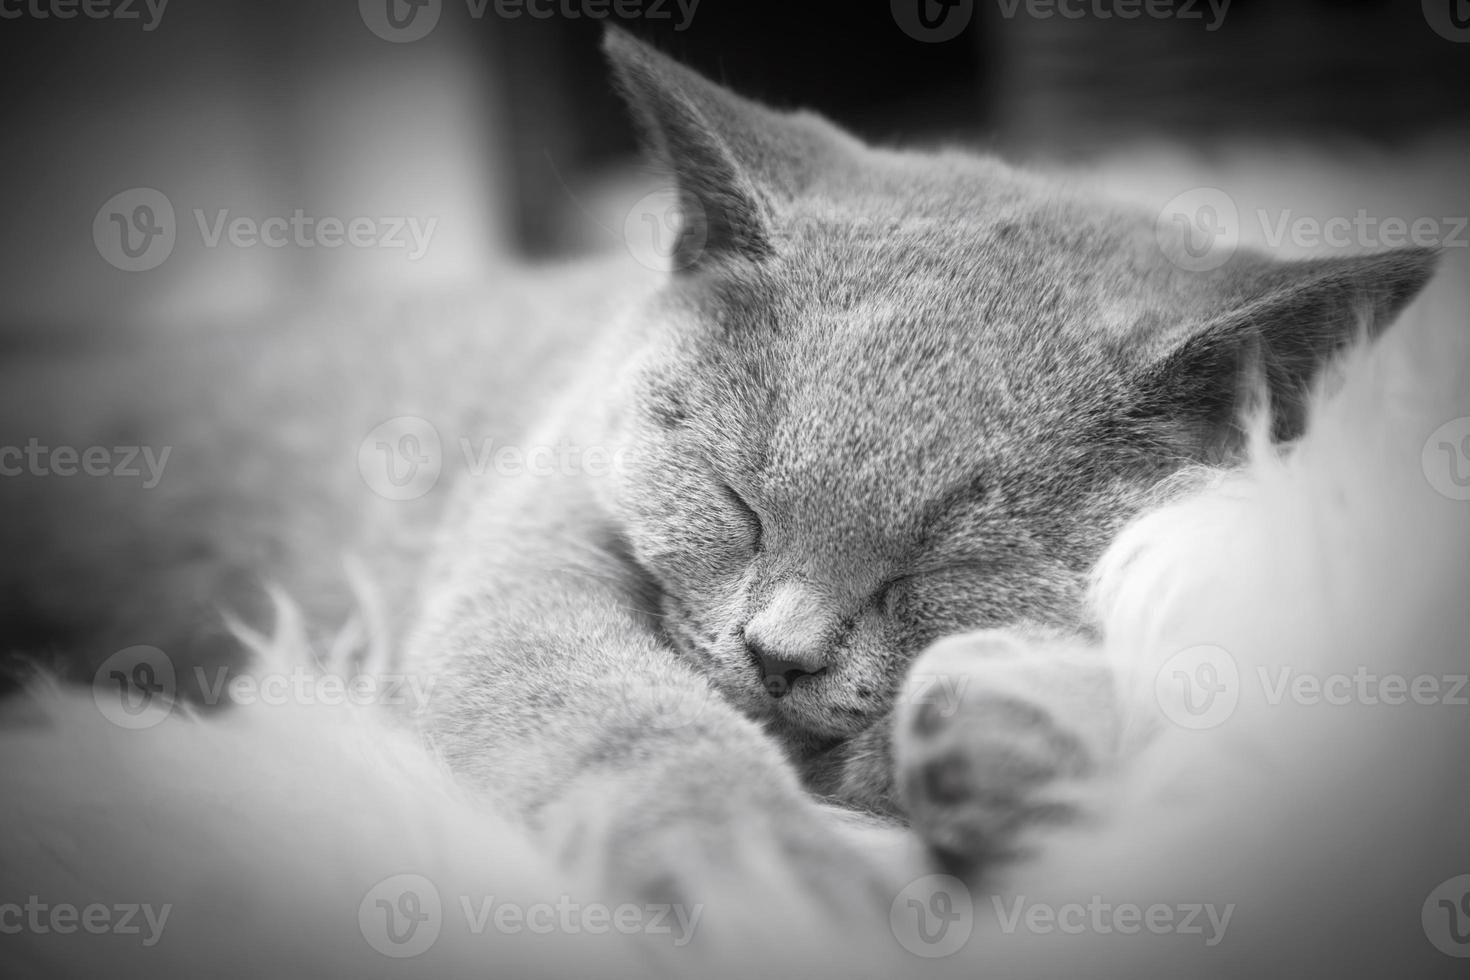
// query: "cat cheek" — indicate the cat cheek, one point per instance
point(916, 621)
point(874, 639)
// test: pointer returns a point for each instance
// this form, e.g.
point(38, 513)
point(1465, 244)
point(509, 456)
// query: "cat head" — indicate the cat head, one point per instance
point(891, 396)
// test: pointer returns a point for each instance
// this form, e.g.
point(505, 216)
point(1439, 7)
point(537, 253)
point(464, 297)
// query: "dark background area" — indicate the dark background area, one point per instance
point(500, 126)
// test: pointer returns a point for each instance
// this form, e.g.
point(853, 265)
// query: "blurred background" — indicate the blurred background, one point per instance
point(494, 121)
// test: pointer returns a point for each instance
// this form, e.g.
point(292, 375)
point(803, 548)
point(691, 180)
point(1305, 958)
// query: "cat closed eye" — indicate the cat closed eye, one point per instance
point(899, 588)
point(748, 512)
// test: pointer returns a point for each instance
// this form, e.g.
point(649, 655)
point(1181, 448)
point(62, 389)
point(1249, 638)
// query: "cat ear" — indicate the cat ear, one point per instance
point(1283, 322)
point(732, 160)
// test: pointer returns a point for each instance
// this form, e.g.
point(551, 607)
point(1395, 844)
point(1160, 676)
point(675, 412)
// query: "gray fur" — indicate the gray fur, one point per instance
point(921, 393)
point(940, 384)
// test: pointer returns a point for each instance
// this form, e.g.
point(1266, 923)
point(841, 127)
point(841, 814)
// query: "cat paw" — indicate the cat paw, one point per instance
point(806, 853)
point(993, 733)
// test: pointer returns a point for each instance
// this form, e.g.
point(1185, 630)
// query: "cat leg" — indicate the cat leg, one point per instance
point(995, 736)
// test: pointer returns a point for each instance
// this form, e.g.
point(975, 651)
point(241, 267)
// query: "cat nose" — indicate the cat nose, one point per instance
point(789, 637)
point(779, 674)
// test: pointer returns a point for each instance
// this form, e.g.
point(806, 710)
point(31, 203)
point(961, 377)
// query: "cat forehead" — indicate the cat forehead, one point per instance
point(954, 191)
point(882, 308)
point(826, 399)
point(969, 233)
point(1001, 291)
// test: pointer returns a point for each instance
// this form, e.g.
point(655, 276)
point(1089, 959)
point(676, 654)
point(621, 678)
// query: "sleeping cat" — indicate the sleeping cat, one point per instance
point(877, 426)
point(869, 439)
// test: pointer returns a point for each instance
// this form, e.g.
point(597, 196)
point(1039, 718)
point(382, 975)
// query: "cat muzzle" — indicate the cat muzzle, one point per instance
point(779, 676)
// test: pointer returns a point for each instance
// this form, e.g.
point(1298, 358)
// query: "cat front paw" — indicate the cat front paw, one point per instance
point(995, 734)
point(804, 855)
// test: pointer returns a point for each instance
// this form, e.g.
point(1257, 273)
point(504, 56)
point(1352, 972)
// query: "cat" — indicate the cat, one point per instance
point(870, 436)
point(883, 417)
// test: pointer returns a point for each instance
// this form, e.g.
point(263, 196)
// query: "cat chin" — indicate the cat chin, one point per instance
point(812, 735)
point(804, 716)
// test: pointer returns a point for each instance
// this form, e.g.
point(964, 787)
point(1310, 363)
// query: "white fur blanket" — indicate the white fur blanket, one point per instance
point(1295, 637)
